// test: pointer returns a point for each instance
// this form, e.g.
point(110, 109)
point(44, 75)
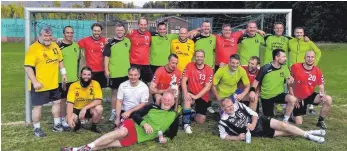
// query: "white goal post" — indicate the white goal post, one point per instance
point(29, 10)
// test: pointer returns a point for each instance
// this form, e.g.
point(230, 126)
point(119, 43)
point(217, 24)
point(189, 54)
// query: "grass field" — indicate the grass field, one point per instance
point(18, 137)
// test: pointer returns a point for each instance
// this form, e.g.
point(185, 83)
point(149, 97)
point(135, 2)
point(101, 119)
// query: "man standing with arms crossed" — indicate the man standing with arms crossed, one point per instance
point(297, 49)
point(93, 47)
point(41, 63)
point(116, 63)
point(306, 77)
point(71, 54)
point(160, 46)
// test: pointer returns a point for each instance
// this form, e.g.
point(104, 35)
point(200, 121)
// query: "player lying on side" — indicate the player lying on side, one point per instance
point(238, 118)
point(146, 125)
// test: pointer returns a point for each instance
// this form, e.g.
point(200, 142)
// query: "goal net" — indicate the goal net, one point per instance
point(81, 20)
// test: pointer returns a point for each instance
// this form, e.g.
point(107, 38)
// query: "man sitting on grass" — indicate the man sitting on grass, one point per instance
point(146, 124)
point(238, 118)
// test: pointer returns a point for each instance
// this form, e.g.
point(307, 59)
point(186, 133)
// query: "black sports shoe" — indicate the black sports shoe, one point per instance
point(321, 124)
point(57, 128)
point(77, 126)
point(95, 129)
point(39, 132)
point(312, 111)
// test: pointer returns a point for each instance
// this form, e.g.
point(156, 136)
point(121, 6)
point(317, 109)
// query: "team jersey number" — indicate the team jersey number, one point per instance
point(311, 77)
point(55, 51)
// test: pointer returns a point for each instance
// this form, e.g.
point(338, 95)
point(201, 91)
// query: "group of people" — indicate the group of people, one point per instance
point(156, 77)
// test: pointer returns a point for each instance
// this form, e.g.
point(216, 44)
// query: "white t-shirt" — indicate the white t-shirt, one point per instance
point(132, 96)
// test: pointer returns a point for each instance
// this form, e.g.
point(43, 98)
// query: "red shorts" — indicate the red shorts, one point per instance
point(131, 138)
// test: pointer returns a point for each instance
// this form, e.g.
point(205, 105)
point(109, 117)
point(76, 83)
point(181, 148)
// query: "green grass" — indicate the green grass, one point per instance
point(21, 137)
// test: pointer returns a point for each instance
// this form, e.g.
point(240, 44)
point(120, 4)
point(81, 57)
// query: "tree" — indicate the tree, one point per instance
point(56, 4)
point(5, 11)
point(87, 4)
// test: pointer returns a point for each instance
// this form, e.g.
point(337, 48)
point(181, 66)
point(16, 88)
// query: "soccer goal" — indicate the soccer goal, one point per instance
point(82, 18)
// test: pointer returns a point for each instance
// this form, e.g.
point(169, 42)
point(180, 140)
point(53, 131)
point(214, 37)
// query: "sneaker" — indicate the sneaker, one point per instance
point(317, 132)
point(39, 132)
point(85, 148)
point(64, 124)
point(312, 111)
point(67, 149)
point(188, 129)
point(316, 138)
point(57, 128)
point(210, 110)
point(77, 126)
point(112, 117)
point(321, 124)
point(95, 129)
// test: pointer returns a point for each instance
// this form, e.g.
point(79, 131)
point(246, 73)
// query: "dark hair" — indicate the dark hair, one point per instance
point(134, 68)
point(160, 24)
point(86, 68)
point(276, 52)
point(298, 28)
point(205, 21)
point(66, 27)
point(225, 25)
point(119, 25)
point(276, 23)
point(235, 56)
point(172, 55)
point(97, 25)
point(255, 58)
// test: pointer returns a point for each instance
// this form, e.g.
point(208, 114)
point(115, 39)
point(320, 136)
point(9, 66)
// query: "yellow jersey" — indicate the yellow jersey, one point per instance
point(80, 96)
point(184, 51)
point(45, 62)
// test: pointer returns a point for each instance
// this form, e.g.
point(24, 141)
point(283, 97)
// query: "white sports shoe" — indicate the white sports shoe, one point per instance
point(64, 123)
point(320, 132)
point(316, 138)
point(112, 117)
point(210, 110)
point(188, 129)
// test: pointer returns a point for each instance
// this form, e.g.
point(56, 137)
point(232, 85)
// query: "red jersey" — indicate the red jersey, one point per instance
point(305, 81)
point(226, 47)
point(140, 47)
point(251, 76)
point(163, 78)
point(93, 52)
point(197, 78)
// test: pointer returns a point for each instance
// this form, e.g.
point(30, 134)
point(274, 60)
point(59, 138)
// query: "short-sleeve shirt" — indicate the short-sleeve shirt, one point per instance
point(226, 47)
point(160, 48)
point(272, 80)
point(164, 79)
point(208, 45)
point(71, 54)
point(45, 62)
point(305, 81)
point(118, 53)
point(184, 51)
point(80, 96)
point(226, 82)
point(140, 47)
point(249, 46)
point(198, 78)
point(273, 42)
point(132, 96)
point(93, 50)
point(251, 76)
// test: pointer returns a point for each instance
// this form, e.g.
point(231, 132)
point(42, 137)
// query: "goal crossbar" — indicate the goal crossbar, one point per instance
point(29, 10)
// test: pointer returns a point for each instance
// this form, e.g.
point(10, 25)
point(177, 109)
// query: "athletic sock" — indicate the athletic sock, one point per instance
point(186, 116)
point(286, 117)
point(37, 125)
point(57, 121)
point(91, 145)
point(320, 118)
point(311, 107)
point(113, 110)
point(306, 134)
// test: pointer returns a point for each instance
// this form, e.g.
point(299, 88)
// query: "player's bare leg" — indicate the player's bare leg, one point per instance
point(57, 127)
point(252, 104)
point(187, 113)
point(291, 100)
point(326, 105)
point(113, 104)
point(97, 113)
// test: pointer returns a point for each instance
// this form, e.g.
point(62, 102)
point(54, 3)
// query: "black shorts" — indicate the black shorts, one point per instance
point(303, 105)
point(63, 93)
point(201, 106)
point(154, 68)
point(263, 128)
point(115, 82)
point(100, 77)
point(268, 104)
point(146, 72)
point(41, 98)
point(216, 67)
point(77, 112)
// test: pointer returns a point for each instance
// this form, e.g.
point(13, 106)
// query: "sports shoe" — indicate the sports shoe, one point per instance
point(321, 124)
point(210, 110)
point(57, 128)
point(67, 149)
point(39, 132)
point(85, 148)
point(312, 111)
point(317, 132)
point(77, 126)
point(64, 124)
point(112, 117)
point(95, 129)
point(316, 138)
point(188, 129)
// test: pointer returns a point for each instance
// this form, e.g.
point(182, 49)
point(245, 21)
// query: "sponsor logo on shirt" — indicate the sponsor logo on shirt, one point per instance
point(281, 74)
point(51, 61)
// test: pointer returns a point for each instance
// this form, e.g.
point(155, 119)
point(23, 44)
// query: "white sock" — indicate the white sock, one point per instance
point(311, 107)
point(113, 110)
point(306, 134)
point(92, 145)
point(37, 125)
point(62, 118)
point(57, 121)
point(286, 117)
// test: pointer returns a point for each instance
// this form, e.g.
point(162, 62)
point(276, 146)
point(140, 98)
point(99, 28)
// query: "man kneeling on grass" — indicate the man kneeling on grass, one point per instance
point(238, 118)
point(146, 125)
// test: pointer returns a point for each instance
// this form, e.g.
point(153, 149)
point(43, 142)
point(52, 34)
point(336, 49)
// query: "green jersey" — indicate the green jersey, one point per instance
point(208, 45)
point(118, 51)
point(273, 42)
point(298, 49)
point(272, 80)
point(160, 48)
point(71, 57)
point(249, 46)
